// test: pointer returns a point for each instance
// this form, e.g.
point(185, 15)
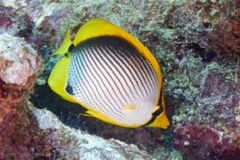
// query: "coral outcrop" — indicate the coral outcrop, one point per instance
point(19, 67)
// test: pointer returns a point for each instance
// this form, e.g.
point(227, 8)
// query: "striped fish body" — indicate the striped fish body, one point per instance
point(113, 79)
point(107, 73)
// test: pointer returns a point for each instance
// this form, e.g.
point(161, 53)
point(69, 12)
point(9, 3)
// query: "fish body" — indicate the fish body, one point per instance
point(112, 74)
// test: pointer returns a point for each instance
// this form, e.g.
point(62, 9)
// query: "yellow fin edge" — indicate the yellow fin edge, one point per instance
point(105, 118)
point(58, 78)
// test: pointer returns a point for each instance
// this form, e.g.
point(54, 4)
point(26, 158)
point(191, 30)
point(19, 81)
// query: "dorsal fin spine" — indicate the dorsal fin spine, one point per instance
point(67, 42)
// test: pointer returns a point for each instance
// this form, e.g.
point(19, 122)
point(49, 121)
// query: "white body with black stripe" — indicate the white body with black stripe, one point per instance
point(108, 73)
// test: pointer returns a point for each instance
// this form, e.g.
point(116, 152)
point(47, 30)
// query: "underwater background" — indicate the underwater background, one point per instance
point(196, 43)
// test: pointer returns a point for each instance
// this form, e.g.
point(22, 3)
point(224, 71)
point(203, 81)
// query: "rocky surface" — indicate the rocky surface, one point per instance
point(19, 67)
point(76, 144)
point(196, 44)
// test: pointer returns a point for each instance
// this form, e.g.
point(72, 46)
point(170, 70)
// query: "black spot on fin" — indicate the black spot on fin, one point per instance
point(157, 113)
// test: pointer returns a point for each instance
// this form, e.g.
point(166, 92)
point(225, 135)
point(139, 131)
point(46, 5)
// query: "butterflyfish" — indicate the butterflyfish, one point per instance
point(112, 74)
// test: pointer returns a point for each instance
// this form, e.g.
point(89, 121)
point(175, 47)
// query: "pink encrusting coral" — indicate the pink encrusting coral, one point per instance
point(19, 67)
point(210, 127)
point(20, 135)
point(202, 142)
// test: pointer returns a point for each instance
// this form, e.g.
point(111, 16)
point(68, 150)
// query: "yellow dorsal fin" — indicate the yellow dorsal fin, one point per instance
point(129, 106)
point(65, 44)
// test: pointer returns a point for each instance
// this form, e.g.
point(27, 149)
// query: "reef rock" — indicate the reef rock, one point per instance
point(19, 67)
point(76, 144)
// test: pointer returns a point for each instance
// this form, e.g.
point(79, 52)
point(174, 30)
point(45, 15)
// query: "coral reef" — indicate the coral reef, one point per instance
point(201, 142)
point(19, 68)
point(196, 44)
